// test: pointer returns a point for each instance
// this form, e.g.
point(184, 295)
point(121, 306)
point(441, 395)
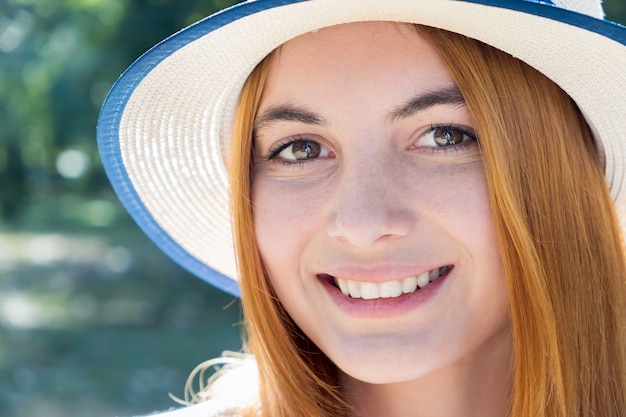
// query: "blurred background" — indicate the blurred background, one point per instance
point(94, 320)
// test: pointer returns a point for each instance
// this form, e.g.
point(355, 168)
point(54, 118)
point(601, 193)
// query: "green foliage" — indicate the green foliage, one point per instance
point(615, 10)
point(94, 320)
point(58, 59)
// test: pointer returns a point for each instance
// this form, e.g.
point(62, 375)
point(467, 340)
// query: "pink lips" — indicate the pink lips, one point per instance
point(384, 307)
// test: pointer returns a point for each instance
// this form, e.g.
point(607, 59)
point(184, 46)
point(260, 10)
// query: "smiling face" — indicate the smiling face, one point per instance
point(371, 207)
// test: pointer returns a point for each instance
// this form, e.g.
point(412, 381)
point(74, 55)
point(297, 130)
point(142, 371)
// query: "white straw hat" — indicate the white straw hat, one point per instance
point(164, 129)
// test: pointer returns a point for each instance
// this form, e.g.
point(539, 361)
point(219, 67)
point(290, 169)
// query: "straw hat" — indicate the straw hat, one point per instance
point(165, 127)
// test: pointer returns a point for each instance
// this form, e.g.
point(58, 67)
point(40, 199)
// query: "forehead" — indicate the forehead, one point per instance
point(351, 56)
point(368, 34)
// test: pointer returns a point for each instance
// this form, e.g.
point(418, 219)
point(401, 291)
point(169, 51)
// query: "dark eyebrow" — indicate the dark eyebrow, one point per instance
point(289, 113)
point(450, 95)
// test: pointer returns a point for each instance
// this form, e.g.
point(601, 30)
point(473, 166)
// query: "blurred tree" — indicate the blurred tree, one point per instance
point(57, 61)
point(615, 10)
point(100, 341)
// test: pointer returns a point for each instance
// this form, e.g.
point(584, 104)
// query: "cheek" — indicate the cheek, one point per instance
point(460, 203)
point(478, 230)
point(464, 213)
point(476, 233)
point(285, 221)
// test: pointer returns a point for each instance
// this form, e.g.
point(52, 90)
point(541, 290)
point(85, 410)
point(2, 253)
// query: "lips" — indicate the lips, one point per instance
point(389, 289)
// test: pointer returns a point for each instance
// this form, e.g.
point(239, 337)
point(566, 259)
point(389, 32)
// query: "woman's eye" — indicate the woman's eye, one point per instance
point(299, 150)
point(443, 136)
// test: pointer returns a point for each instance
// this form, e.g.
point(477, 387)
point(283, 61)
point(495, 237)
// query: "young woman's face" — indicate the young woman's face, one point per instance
point(371, 206)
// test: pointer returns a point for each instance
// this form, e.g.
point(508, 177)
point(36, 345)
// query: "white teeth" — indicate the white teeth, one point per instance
point(409, 285)
point(370, 290)
point(355, 289)
point(423, 279)
point(388, 289)
point(343, 286)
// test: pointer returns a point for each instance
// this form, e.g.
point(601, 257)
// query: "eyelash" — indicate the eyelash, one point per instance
point(282, 145)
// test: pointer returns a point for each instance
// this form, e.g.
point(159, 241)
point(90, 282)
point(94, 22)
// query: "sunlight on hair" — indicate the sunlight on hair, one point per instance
point(234, 381)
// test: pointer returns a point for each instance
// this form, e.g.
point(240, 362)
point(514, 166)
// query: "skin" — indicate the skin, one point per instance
point(378, 200)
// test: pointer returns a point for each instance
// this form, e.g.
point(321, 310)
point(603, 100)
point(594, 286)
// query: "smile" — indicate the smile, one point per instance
point(390, 289)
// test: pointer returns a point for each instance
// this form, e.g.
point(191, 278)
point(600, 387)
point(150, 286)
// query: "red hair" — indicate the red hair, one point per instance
point(558, 233)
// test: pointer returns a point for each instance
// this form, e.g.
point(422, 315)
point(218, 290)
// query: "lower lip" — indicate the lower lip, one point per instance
point(383, 307)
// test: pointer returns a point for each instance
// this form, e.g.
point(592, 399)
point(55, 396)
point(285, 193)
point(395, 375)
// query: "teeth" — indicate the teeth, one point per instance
point(409, 285)
point(355, 289)
point(434, 274)
point(370, 290)
point(443, 271)
point(388, 289)
point(423, 279)
point(343, 286)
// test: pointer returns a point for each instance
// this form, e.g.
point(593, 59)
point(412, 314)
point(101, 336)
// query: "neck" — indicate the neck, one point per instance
point(479, 386)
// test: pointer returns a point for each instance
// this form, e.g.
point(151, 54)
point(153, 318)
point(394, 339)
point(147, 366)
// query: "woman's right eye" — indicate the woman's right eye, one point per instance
point(299, 150)
point(446, 136)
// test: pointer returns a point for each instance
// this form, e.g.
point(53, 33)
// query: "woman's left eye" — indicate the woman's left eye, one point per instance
point(443, 136)
point(299, 150)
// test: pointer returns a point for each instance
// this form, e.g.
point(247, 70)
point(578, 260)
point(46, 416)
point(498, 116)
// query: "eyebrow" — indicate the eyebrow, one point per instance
point(448, 95)
point(288, 113)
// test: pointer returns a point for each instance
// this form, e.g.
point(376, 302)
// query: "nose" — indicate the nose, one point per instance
point(370, 206)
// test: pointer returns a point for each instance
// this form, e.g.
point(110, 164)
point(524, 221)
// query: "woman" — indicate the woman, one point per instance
point(422, 222)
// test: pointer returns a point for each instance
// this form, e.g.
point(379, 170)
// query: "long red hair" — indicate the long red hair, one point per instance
point(558, 233)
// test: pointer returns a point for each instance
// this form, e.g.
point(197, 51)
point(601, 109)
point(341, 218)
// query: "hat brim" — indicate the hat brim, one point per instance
point(165, 127)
